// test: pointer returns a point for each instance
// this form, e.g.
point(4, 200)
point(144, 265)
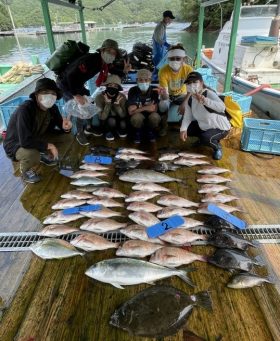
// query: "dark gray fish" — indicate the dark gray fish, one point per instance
point(127, 164)
point(226, 239)
point(158, 311)
point(247, 280)
point(217, 223)
point(98, 150)
point(164, 167)
point(232, 260)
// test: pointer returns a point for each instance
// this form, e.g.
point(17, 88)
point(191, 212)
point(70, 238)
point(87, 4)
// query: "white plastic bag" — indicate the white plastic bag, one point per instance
point(85, 111)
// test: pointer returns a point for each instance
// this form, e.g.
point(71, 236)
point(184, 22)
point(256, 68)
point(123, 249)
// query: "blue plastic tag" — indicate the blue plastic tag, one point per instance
point(103, 160)
point(240, 224)
point(164, 226)
point(84, 208)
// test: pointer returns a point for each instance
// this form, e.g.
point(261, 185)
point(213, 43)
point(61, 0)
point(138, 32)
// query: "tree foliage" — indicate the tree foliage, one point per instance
point(5, 23)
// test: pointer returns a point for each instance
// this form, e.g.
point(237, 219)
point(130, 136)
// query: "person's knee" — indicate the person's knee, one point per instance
point(154, 120)
point(123, 124)
point(112, 122)
point(28, 158)
point(137, 120)
point(163, 105)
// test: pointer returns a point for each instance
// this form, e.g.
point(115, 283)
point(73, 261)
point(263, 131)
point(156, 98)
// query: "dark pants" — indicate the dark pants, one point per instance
point(210, 137)
point(113, 123)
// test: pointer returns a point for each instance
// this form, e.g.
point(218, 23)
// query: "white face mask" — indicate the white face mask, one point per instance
point(143, 86)
point(47, 100)
point(175, 65)
point(107, 57)
point(194, 88)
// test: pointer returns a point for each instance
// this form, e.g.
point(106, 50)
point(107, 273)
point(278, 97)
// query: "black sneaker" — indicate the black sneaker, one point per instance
point(218, 154)
point(151, 136)
point(82, 139)
point(30, 176)
point(95, 131)
point(122, 133)
point(109, 136)
point(48, 161)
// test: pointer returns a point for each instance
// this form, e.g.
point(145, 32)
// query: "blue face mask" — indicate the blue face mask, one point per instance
point(143, 86)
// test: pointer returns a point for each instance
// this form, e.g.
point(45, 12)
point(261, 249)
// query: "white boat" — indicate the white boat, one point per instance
point(256, 65)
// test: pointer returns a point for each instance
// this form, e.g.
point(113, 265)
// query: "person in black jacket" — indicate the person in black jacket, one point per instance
point(72, 80)
point(25, 140)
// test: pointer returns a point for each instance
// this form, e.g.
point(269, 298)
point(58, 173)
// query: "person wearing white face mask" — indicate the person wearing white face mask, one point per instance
point(171, 81)
point(72, 80)
point(143, 106)
point(205, 116)
point(32, 130)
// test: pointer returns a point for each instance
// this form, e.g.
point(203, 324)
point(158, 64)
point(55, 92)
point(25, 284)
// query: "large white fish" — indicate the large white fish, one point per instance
point(168, 157)
point(130, 150)
point(52, 248)
point(213, 170)
point(212, 179)
point(103, 213)
point(141, 196)
point(191, 155)
point(76, 194)
point(87, 174)
point(167, 212)
point(174, 200)
point(143, 206)
point(212, 188)
point(190, 162)
point(93, 167)
point(129, 156)
point(143, 218)
point(203, 208)
point(137, 248)
point(59, 218)
point(129, 271)
point(89, 181)
point(219, 198)
point(139, 232)
point(150, 187)
point(57, 230)
point(100, 225)
point(68, 203)
point(181, 237)
point(106, 202)
point(108, 192)
point(146, 175)
point(92, 242)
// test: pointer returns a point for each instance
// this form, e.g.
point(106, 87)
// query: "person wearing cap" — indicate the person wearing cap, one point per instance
point(160, 45)
point(204, 116)
point(111, 109)
point(171, 81)
point(34, 128)
point(143, 106)
point(73, 78)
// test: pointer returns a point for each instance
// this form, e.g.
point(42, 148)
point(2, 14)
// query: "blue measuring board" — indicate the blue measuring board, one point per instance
point(103, 160)
point(83, 208)
point(164, 226)
point(240, 224)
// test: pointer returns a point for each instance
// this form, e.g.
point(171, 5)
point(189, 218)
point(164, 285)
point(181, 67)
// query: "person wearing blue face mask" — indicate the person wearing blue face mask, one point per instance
point(143, 106)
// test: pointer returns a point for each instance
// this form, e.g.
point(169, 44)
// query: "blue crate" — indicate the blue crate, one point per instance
point(210, 81)
point(204, 71)
point(262, 136)
point(243, 101)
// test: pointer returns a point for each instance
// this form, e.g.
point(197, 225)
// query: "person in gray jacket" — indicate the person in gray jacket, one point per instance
point(205, 115)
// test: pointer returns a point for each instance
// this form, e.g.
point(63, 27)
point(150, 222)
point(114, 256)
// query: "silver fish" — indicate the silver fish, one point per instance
point(175, 256)
point(129, 156)
point(89, 188)
point(213, 170)
point(100, 225)
point(174, 200)
point(212, 188)
point(92, 242)
point(212, 179)
point(130, 150)
point(247, 280)
point(140, 196)
point(87, 173)
point(129, 271)
point(76, 194)
point(93, 167)
point(168, 157)
point(57, 230)
point(203, 208)
point(149, 187)
point(190, 223)
point(146, 175)
point(68, 203)
point(219, 198)
point(181, 237)
point(190, 162)
point(59, 218)
point(103, 213)
point(191, 155)
point(89, 181)
point(139, 232)
point(143, 206)
point(137, 249)
point(108, 192)
point(144, 218)
point(167, 212)
point(106, 202)
point(54, 249)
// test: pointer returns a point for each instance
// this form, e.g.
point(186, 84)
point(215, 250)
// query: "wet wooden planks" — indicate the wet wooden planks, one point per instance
point(56, 301)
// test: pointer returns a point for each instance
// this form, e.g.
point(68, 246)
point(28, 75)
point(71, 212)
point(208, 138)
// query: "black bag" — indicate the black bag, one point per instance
point(65, 54)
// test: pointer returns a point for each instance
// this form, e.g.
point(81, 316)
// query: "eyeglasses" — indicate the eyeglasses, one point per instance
point(177, 59)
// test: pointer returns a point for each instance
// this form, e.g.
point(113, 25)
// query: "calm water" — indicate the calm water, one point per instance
point(127, 37)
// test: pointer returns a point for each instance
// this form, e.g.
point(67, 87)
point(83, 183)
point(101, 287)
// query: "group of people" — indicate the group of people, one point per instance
point(37, 123)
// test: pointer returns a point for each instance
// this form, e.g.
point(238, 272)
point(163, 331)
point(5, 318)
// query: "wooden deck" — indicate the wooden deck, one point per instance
point(54, 300)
